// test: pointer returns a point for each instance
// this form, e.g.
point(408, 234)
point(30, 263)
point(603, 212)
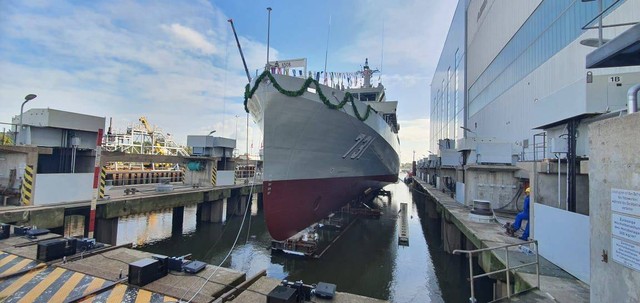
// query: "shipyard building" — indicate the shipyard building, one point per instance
point(519, 99)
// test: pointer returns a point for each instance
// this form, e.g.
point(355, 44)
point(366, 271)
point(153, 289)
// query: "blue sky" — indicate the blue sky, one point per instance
point(176, 62)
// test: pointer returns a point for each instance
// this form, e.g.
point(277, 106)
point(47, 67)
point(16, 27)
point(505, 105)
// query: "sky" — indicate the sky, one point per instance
point(176, 62)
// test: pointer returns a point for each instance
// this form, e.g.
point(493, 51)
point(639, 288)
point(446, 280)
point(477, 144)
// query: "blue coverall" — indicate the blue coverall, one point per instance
point(523, 215)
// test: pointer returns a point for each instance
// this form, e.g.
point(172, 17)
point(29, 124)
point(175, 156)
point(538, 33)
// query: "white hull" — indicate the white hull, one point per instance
point(305, 139)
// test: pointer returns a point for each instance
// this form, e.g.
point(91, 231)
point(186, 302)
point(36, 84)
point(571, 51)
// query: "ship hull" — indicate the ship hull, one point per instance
point(317, 159)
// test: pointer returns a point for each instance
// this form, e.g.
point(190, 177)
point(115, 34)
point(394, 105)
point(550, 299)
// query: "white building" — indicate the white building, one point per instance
point(515, 72)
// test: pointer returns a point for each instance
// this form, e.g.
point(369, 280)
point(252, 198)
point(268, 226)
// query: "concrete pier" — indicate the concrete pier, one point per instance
point(215, 203)
point(213, 211)
point(460, 232)
point(258, 291)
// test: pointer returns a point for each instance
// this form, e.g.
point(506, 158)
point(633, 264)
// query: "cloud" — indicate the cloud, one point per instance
point(191, 37)
point(414, 135)
point(178, 64)
point(175, 64)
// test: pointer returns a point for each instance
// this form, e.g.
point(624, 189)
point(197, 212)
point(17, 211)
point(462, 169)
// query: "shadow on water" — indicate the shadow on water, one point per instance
point(366, 260)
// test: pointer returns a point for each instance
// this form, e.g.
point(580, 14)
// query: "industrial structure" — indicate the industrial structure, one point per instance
point(142, 138)
point(513, 105)
point(55, 151)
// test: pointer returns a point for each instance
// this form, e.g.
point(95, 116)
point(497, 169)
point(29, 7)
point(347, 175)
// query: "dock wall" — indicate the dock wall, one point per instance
point(108, 211)
point(615, 258)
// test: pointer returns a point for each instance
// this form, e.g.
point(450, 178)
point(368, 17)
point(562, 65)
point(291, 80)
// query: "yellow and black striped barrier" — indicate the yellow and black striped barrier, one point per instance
point(26, 192)
point(26, 280)
point(214, 175)
point(183, 177)
point(103, 182)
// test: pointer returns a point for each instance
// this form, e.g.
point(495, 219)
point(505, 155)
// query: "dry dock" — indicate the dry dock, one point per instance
point(556, 285)
point(257, 293)
point(100, 275)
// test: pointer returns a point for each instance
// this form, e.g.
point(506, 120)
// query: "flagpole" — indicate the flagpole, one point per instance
point(268, 34)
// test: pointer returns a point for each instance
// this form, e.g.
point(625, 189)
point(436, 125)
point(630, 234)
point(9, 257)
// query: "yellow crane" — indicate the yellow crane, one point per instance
point(5, 139)
point(157, 147)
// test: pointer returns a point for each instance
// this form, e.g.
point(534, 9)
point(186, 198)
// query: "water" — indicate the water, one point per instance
point(366, 260)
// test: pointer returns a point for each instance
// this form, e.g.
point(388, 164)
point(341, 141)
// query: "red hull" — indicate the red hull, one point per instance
point(292, 205)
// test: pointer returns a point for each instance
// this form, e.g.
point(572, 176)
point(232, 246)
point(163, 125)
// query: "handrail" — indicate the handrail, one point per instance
point(507, 268)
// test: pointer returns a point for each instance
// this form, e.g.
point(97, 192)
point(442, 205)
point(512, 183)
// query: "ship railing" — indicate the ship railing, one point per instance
point(508, 267)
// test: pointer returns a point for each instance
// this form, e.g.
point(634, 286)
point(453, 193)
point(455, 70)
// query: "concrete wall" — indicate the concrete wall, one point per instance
point(57, 188)
point(226, 177)
point(492, 183)
point(9, 161)
point(614, 164)
point(565, 247)
point(548, 191)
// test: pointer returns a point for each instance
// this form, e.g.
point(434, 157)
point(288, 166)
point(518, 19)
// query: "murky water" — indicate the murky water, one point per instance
point(366, 260)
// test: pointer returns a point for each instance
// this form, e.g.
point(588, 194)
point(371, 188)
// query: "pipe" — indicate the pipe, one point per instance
point(632, 96)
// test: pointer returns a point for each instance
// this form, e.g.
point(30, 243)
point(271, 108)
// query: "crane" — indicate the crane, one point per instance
point(151, 131)
point(146, 124)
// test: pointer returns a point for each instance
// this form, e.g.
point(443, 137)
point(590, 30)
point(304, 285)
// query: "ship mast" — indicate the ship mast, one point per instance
point(367, 73)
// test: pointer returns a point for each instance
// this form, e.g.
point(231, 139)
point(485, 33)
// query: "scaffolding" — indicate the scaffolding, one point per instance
point(142, 138)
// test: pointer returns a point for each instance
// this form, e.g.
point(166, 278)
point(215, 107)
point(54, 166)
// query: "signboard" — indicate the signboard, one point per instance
point(292, 63)
point(615, 79)
point(625, 201)
point(625, 227)
point(626, 253)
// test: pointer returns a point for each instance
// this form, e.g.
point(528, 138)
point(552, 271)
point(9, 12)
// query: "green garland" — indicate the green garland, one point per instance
point(248, 93)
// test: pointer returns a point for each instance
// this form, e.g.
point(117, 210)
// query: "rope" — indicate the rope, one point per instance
point(230, 250)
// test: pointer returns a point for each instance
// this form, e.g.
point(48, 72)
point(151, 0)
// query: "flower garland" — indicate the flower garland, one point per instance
point(248, 93)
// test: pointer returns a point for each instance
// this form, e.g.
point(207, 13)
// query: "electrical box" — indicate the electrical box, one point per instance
point(194, 267)
point(495, 153)
point(558, 145)
point(54, 249)
point(326, 290)
point(450, 157)
point(5, 231)
point(85, 244)
point(145, 271)
point(283, 294)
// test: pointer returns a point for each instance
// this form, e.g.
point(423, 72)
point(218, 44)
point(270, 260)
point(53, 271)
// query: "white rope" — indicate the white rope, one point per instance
point(232, 247)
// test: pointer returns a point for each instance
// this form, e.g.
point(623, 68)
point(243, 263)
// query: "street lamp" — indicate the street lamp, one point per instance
point(27, 98)
point(237, 127)
point(469, 130)
point(211, 132)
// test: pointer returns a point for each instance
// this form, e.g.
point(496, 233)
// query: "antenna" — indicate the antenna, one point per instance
point(326, 54)
point(382, 52)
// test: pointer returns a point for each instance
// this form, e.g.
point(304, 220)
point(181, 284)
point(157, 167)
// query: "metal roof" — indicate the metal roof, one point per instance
point(623, 50)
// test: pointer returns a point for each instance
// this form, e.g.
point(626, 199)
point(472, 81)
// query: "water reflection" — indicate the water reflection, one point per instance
point(151, 227)
point(366, 260)
point(74, 226)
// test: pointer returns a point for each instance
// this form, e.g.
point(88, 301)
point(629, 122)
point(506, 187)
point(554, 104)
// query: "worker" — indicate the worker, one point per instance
point(523, 215)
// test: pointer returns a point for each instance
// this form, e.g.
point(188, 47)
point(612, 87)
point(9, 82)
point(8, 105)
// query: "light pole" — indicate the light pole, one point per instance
point(211, 132)
point(27, 98)
point(237, 127)
point(469, 130)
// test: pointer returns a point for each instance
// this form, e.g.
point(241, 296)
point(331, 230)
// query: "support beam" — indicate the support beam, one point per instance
point(572, 128)
point(106, 230)
point(177, 220)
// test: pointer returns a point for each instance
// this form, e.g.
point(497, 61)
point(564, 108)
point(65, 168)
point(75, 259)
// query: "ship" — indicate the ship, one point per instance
point(323, 145)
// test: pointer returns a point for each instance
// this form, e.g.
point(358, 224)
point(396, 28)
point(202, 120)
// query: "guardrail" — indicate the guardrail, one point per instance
point(507, 268)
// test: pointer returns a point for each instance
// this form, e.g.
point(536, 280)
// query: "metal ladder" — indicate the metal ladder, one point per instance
point(507, 268)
